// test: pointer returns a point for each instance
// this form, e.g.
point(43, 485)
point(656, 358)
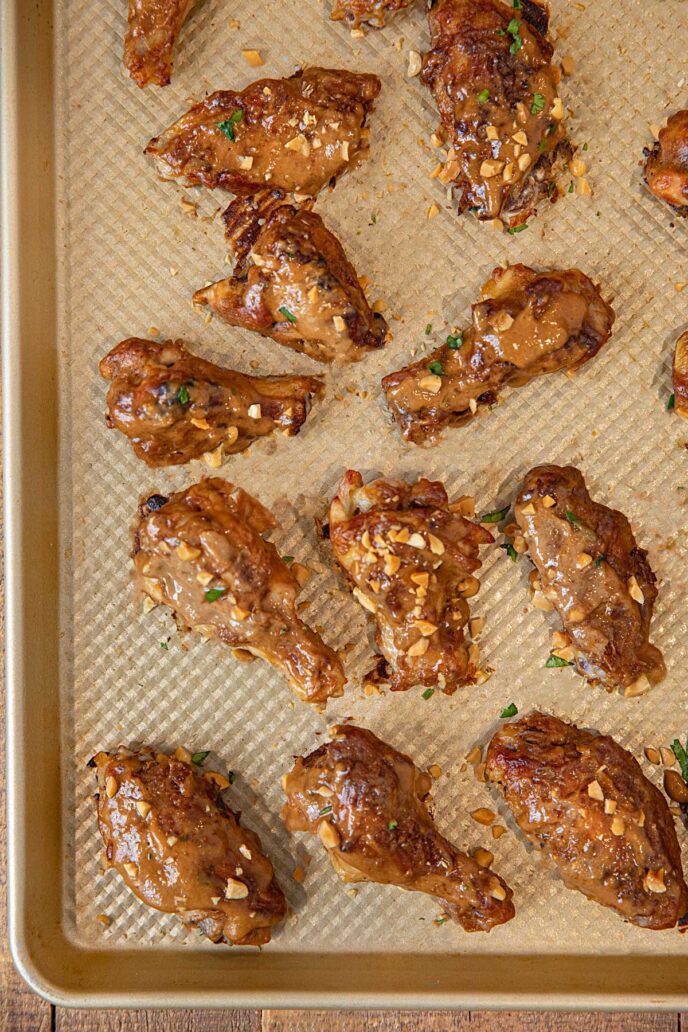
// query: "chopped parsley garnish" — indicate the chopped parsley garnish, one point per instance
point(557, 661)
point(510, 551)
point(570, 189)
point(585, 146)
point(213, 594)
point(572, 518)
point(517, 229)
point(200, 757)
point(227, 127)
point(671, 402)
point(183, 395)
point(440, 920)
point(373, 219)
point(510, 711)
point(518, 5)
point(514, 30)
point(288, 558)
point(538, 104)
point(230, 776)
point(483, 96)
point(164, 645)
point(325, 810)
point(428, 329)
point(454, 342)
point(428, 693)
point(436, 368)
point(474, 208)
point(551, 188)
point(289, 316)
point(600, 559)
point(682, 757)
point(495, 517)
point(391, 825)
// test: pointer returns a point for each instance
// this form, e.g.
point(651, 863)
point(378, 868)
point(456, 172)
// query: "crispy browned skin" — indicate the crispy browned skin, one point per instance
point(180, 849)
point(593, 572)
point(585, 801)
point(680, 376)
point(411, 561)
point(368, 12)
point(666, 170)
point(151, 34)
point(208, 539)
point(217, 407)
point(525, 324)
point(296, 134)
point(503, 174)
point(367, 804)
point(293, 282)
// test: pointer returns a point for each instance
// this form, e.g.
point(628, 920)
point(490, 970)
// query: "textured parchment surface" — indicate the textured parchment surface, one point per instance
point(130, 258)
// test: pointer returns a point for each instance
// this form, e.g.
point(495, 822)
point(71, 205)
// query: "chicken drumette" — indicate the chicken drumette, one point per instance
point(593, 573)
point(171, 837)
point(367, 804)
point(202, 553)
point(680, 376)
point(585, 801)
point(151, 35)
point(296, 134)
point(525, 324)
point(411, 561)
point(666, 169)
point(366, 12)
point(174, 407)
point(293, 282)
point(490, 71)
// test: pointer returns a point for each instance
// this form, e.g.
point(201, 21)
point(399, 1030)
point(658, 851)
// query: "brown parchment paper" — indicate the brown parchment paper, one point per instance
point(130, 257)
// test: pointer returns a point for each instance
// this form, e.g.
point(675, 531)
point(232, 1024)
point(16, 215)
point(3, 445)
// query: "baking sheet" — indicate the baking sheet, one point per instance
point(130, 257)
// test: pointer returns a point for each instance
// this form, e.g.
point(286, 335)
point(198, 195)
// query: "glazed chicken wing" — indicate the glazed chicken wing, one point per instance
point(680, 376)
point(171, 837)
point(411, 561)
point(202, 553)
point(174, 407)
point(366, 12)
point(491, 74)
point(585, 801)
point(296, 134)
point(367, 804)
point(593, 573)
point(525, 324)
point(293, 282)
point(151, 35)
point(666, 169)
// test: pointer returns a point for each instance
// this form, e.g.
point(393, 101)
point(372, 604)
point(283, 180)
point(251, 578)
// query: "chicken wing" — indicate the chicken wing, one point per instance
point(367, 804)
point(293, 282)
point(411, 561)
point(585, 801)
point(296, 134)
point(366, 12)
point(593, 573)
point(490, 71)
point(666, 169)
point(525, 324)
point(176, 844)
point(201, 553)
point(151, 35)
point(174, 407)
point(680, 376)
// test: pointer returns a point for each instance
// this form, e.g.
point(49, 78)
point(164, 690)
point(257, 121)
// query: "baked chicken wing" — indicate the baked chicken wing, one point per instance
point(666, 169)
point(524, 325)
point(202, 553)
point(174, 407)
point(171, 837)
point(367, 804)
point(294, 283)
point(411, 562)
point(296, 134)
point(585, 801)
point(591, 570)
point(680, 376)
point(490, 71)
point(366, 12)
point(151, 35)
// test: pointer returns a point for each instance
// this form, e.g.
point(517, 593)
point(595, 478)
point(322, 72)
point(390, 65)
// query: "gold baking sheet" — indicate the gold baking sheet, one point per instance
point(129, 257)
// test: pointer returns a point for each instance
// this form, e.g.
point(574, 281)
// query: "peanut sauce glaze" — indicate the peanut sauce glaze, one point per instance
point(368, 12)
point(666, 169)
point(152, 32)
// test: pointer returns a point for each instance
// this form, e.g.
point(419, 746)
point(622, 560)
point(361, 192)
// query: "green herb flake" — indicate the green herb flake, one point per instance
point(392, 825)
point(200, 757)
point(557, 661)
point(325, 810)
point(495, 517)
point(682, 757)
point(373, 219)
point(213, 594)
point(440, 921)
point(570, 189)
point(517, 229)
point(436, 368)
point(671, 402)
point(428, 329)
point(551, 188)
point(510, 711)
point(454, 343)
point(164, 645)
point(230, 776)
point(510, 551)
point(517, 4)
point(428, 693)
point(538, 105)
point(228, 126)
point(572, 518)
point(183, 395)
point(585, 146)
point(289, 316)
point(474, 208)
point(483, 96)
point(514, 30)
point(599, 560)
point(288, 558)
